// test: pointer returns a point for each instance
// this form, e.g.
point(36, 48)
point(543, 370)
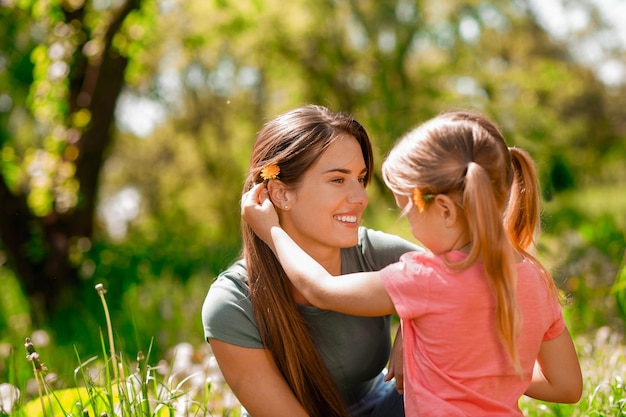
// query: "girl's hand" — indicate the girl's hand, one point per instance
point(259, 213)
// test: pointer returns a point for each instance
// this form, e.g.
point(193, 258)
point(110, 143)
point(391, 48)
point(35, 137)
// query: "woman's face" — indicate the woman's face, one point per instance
point(326, 207)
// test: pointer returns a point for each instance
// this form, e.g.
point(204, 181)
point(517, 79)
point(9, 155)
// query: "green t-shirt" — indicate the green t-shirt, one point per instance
point(355, 349)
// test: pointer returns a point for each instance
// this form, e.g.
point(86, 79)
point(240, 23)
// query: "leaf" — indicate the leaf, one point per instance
point(619, 289)
point(63, 402)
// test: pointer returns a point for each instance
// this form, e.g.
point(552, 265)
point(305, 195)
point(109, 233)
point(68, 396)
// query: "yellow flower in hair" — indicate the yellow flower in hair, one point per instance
point(420, 200)
point(270, 172)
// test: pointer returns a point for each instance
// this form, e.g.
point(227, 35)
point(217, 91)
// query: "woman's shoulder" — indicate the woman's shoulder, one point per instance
point(233, 280)
point(227, 311)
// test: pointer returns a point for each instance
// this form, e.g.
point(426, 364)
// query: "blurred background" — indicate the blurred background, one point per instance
point(126, 128)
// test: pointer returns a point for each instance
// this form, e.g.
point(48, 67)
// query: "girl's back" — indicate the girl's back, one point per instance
point(455, 363)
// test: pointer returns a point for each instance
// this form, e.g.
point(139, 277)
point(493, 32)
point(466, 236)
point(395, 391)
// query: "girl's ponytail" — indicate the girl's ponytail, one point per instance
point(491, 244)
point(522, 215)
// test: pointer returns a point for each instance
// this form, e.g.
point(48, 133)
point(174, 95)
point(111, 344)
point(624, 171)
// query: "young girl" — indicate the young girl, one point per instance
point(481, 319)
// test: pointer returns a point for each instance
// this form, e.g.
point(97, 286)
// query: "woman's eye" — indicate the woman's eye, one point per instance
point(337, 180)
point(362, 180)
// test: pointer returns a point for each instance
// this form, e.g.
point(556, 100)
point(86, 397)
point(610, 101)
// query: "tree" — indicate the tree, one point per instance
point(219, 69)
point(61, 125)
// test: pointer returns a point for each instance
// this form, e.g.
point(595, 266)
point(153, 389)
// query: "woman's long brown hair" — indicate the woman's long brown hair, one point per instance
point(294, 141)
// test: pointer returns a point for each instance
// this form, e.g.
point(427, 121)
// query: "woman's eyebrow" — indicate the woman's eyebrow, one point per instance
point(343, 171)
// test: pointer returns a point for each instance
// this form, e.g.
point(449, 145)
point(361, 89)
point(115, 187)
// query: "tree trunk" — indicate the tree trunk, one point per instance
point(38, 247)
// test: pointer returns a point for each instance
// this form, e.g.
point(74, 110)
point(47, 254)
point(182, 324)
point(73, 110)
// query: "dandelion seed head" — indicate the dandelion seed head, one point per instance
point(40, 338)
point(9, 396)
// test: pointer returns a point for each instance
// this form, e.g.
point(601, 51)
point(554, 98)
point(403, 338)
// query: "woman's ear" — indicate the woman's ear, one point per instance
point(279, 194)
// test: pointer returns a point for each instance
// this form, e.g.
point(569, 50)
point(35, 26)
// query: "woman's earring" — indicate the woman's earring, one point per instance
point(286, 207)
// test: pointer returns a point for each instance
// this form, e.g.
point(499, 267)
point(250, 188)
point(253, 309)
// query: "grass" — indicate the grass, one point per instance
point(187, 382)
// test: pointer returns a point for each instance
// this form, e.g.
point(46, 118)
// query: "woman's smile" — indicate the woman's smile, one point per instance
point(347, 219)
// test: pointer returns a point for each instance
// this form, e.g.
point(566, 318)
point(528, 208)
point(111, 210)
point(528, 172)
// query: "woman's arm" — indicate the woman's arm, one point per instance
point(361, 294)
point(557, 376)
point(255, 379)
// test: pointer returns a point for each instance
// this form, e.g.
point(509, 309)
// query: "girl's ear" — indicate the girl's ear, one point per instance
point(279, 194)
point(446, 208)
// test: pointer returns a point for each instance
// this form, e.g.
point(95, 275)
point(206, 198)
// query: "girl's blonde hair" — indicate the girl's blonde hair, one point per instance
point(293, 142)
point(463, 154)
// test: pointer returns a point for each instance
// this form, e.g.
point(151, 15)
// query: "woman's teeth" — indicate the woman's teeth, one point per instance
point(346, 219)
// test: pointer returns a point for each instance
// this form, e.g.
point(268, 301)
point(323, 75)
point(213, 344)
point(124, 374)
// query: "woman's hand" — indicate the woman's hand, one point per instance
point(259, 213)
point(396, 362)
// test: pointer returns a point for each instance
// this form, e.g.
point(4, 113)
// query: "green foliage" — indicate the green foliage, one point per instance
point(583, 243)
point(219, 69)
point(165, 279)
point(619, 290)
point(14, 308)
point(605, 234)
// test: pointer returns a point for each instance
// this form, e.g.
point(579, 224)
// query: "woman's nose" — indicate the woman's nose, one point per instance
point(358, 194)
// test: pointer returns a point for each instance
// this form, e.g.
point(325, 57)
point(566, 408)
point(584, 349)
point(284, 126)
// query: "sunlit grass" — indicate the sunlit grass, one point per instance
point(180, 388)
point(188, 384)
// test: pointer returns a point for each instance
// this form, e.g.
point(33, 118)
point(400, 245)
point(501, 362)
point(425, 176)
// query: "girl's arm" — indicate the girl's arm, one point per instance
point(557, 376)
point(361, 294)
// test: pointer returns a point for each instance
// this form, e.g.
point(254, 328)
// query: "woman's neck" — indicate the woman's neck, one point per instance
point(329, 259)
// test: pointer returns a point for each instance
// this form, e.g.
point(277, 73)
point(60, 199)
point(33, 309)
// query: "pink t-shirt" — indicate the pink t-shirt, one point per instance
point(454, 362)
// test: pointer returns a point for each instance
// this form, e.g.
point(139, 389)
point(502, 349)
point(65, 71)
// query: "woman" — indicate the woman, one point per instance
point(280, 355)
